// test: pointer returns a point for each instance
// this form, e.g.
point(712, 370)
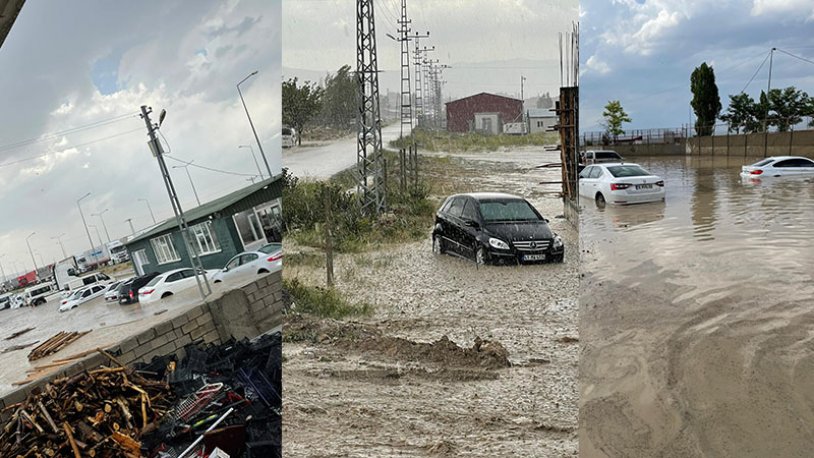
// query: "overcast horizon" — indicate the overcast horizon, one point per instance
point(513, 38)
point(83, 69)
point(643, 52)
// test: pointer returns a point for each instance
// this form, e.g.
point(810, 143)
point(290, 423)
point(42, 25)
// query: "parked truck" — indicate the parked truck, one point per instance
point(29, 278)
point(91, 259)
point(118, 252)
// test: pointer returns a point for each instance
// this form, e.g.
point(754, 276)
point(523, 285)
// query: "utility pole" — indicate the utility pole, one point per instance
point(158, 151)
point(417, 58)
point(194, 191)
point(59, 239)
point(107, 234)
point(85, 223)
point(152, 215)
point(130, 221)
point(523, 103)
point(766, 115)
point(369, 160)
point(262, 153)
point(98, 234)
point(30, 251)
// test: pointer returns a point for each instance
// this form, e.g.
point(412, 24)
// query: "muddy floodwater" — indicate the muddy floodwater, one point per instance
point(697, 318)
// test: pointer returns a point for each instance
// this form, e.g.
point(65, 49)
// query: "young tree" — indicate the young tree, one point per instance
point(705, 100)
point(614, 115)
point(300, 104)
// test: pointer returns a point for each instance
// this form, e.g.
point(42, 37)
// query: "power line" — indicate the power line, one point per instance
point(796, 57)
point(54, 135)
point(31, 158)
point(211, 169)
point(756, 72)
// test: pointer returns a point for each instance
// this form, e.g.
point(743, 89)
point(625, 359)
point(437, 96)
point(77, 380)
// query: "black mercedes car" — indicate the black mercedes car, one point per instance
point(494, 227)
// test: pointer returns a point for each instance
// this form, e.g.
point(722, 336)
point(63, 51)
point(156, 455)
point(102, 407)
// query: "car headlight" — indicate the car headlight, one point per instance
point(499, 244)
point(557, 241)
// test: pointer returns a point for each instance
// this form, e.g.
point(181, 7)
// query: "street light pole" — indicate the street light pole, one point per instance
point(262, 153)
point(255, 159)
point(30, 251)
point(87, 231)
point(107, 234)
point(186, 167)
point(59, 239)
point(149, 208)
point(132, 229)
point(98, 234)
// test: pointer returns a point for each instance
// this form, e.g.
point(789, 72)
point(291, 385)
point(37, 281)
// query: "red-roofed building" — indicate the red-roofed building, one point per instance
point(483, 113)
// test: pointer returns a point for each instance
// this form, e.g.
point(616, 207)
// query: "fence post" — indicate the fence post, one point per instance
point(727, 139)
point(791, 138)
point(745, 141)
point(712, 139)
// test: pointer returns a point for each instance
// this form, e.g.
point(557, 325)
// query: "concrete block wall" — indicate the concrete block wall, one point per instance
point(245, 312)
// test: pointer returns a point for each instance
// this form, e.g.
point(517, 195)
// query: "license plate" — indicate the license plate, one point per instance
point(644, 186)
point(534, 257)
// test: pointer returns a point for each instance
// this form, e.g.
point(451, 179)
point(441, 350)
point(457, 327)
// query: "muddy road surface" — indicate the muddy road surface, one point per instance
point(696, 318)
point(455, 360)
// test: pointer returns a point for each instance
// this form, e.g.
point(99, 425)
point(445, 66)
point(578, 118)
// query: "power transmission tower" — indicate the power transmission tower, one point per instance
point(429, 90)
point(158, 152)
point(369, 161)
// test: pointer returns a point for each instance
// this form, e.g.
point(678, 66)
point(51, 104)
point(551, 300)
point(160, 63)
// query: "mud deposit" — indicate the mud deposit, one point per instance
point(696, 318)
point(455, 360)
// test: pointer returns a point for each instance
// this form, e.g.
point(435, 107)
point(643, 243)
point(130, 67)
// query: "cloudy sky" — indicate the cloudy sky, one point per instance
point(74, 76)
point(488, 43)
point(642, 53)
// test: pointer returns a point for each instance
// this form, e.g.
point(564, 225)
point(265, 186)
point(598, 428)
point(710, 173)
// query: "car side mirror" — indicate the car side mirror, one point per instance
point(472, 223)
point(546, 220)
point(226, 269)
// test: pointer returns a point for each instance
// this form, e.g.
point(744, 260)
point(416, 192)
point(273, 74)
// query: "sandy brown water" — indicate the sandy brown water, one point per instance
point(697, 318)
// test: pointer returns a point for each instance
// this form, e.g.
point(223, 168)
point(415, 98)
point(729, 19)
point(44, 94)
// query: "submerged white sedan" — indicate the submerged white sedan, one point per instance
point(82, 295)
point(268, 258)
point(779, 166)
point(621, 184)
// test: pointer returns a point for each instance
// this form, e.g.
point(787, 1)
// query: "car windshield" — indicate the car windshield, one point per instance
point(763, 162)
point(76, 294)
point(621, 171)
point(507, 210)
point(272, 248)
point(607, 155)
point(155, 281)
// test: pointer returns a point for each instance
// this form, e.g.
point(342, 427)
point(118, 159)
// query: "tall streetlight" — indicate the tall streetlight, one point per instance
point(107, 234)
point(130, 221)
point(87, 231)
point(3, 271)
point(252, 124)
point(59, 239)
point(186, 167)
point(148, 208)
point(30, 250)
point(253, 157)
point(98, 234)
point(42, 261)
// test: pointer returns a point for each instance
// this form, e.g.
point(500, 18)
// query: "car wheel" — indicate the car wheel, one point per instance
point(166, 295)
point(438, 244)
point(216, 281)
point(480, 256)
point(600, 200)
point(262, 271)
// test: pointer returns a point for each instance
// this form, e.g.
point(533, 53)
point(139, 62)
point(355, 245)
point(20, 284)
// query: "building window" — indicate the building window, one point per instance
point(539, 123)
point(204, 239)
point(164, 249)
point(248, 227)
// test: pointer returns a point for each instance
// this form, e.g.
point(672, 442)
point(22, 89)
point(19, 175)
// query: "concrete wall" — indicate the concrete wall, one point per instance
point(628, 150)
point(245, 312)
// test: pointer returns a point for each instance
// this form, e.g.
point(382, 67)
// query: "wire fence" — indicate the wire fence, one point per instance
point(679, 135)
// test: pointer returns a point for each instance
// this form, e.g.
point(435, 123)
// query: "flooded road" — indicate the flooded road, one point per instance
point(696, 318)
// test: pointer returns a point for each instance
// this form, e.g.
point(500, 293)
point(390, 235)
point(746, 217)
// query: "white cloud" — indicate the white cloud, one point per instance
point(774, 7)
point(595, 64)
point(63, 109)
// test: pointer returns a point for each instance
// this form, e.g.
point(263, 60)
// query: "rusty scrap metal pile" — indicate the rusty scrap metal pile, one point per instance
point(219, 397)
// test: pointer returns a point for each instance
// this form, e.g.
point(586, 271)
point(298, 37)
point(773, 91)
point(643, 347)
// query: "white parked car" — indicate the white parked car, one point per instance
point(620, 183)
point(170, 283)
point(82, 295)
point(779, 166)
point(268, 258)
point(289, 137)
point(112, 291)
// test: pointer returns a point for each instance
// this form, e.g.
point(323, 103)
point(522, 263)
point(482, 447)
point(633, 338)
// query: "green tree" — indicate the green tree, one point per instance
point(300, 104)
point(340, 100)
point(705, 99)
point(787, 106)
point(741, 113)
point(613, 117)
